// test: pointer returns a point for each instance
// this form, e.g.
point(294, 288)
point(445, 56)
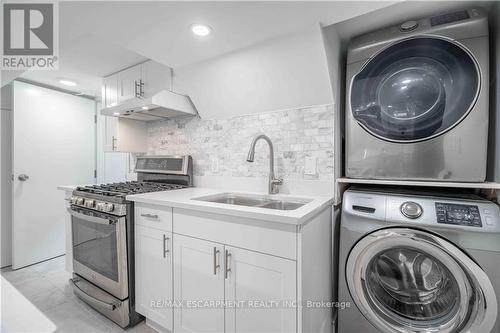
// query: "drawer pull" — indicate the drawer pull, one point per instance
point(150, 216)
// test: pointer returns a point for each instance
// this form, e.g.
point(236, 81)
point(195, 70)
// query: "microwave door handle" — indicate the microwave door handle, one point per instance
point(92, 299)
point(94, 219)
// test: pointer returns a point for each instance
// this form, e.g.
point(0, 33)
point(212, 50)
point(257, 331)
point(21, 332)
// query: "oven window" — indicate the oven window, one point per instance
point(94, 245)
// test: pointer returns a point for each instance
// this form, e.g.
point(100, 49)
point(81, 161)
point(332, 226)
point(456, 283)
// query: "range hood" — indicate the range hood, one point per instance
point(163, 104)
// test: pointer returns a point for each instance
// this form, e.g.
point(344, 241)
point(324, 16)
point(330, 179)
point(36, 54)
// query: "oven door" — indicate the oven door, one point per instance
point(100, 249)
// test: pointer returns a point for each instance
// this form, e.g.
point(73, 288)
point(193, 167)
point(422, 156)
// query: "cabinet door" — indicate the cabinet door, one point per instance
point(256, 280)
point(153, 275)
point(110, 91)
point(155, 77)
point(127, 81)
point(198, 280)
point(111, 133)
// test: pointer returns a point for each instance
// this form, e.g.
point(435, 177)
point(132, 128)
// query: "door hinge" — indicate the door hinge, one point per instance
point(95, 118)
point(95, 173)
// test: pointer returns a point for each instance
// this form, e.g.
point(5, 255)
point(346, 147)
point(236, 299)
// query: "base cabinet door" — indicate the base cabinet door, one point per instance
point(199, 285)
point(153, 274)
point(263, 290)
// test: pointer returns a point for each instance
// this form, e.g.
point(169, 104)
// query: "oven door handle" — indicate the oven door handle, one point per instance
point(90, 218)
point(91, 299)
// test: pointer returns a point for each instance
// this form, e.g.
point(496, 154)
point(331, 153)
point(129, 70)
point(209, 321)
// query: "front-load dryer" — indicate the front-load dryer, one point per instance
point(417, 100)
point(418, 262)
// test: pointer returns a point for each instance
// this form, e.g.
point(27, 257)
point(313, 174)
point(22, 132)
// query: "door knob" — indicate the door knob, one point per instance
point(23, 177)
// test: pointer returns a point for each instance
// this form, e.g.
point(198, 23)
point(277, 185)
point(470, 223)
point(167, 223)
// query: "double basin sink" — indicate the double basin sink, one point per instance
point(255, 201)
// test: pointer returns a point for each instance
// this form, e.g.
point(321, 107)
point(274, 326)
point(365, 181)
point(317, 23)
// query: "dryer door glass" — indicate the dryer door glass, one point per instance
point(415, 90)
point(407, 280)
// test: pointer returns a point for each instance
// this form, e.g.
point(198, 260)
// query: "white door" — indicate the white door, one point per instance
point(264, 289)
point(198, 281)
point(53, 144)
point(153, 275)
point(128, 83)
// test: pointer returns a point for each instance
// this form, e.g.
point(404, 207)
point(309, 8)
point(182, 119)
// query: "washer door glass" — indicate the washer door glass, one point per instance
point(406, 280)
point(415, 90)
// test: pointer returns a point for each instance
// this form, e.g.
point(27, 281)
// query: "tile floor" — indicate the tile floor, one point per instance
point(46, 286)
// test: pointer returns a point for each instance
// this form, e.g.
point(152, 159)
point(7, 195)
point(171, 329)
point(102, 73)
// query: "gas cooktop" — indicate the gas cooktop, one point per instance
point(122, 189)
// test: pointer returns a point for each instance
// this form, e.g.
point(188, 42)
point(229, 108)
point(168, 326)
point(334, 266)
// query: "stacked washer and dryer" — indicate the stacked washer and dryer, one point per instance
point(417, 110)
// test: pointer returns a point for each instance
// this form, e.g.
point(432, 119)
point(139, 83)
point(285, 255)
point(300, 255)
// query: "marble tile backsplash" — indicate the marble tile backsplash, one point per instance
point(220, 147)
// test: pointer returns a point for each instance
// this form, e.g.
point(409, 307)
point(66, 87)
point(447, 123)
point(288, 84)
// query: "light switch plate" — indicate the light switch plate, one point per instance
point(310, 166)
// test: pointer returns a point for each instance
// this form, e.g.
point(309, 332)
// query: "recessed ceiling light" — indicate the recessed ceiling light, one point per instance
point(144, 108)
point(201, 30)
point(116, 113)
point(68, 83)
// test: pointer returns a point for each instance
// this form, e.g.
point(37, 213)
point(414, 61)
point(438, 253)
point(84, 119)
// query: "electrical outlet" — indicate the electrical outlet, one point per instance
point(310, 166)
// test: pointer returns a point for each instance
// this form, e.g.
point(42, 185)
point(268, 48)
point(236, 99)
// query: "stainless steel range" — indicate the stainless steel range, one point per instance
point(102, 222)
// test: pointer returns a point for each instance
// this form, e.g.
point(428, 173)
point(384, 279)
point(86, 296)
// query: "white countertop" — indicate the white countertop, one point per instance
point(184, 199)
point(67, 187)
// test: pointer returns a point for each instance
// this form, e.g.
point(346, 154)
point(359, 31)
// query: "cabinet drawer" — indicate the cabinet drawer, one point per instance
point(153, 216)
point(261, 236)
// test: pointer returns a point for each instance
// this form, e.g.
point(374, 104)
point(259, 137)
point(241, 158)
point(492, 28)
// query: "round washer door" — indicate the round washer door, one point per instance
point(415, 89)
point(407, 280)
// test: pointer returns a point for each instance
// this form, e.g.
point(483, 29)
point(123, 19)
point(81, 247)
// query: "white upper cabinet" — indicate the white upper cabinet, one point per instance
point(139, 81)
point(155, 77)
point(125, 135)
point(110, 91)
point(129, 83)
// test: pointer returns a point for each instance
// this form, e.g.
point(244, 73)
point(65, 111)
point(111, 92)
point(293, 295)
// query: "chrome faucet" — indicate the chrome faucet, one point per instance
point(273, 182)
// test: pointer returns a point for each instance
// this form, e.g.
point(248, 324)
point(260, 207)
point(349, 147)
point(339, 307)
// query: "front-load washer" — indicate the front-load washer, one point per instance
point(417, 100)
point(418, 262)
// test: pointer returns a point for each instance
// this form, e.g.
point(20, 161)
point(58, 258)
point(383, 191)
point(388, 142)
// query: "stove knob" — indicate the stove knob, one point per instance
point(100, 206)
point(72, 200)
point(411, 210)
point(109, 207)
point(79, 201)
point(89, 203)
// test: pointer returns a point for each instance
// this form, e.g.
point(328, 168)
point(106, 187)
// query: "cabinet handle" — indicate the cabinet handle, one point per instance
point(141, 88)
point(150, 216)
point(227, 269)
point(216, 265)
point(113, 141)
point(165, 247)
point(135, 89)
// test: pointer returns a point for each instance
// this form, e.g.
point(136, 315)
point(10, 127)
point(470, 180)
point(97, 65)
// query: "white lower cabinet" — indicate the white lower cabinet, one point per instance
point(198, 280)
point(153, 278)
point(217, 281)
point(227, 289)
point(262, 291)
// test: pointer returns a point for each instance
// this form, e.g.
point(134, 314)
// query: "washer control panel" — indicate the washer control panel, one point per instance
point(458, 214)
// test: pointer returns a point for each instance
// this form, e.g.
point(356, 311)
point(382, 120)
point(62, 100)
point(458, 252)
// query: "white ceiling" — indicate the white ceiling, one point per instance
point(99, 38)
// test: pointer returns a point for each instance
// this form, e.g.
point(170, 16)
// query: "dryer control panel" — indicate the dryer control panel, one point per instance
point(458, 214)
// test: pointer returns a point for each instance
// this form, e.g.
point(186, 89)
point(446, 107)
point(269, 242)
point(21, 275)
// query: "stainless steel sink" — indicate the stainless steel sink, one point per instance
point(255, 201)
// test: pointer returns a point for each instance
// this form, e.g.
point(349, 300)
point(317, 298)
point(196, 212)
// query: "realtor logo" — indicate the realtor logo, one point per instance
point(29, 31)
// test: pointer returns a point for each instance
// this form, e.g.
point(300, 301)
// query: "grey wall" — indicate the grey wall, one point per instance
point(283, 73)
point(5, 174)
